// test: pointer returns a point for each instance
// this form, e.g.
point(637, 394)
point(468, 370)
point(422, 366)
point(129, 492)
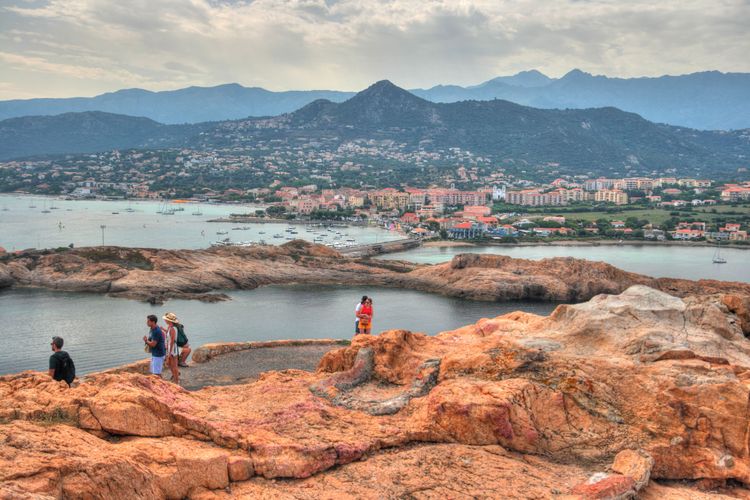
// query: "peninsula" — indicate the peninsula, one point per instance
point(157, 275)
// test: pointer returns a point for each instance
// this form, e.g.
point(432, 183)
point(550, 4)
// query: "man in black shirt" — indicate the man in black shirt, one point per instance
point(61, 365)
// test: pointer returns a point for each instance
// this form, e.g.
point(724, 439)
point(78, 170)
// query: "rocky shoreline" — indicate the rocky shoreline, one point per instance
point(612, 398)
point(158, 275)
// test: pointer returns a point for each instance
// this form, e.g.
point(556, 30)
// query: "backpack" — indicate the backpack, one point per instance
point(67, 369)
point(182, 339)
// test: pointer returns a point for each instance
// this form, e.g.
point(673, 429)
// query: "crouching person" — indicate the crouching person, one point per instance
point(61, 366)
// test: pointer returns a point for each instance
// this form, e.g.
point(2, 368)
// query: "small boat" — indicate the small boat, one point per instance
point(115, 213)
point(718, 259)
point(261, 232)
point(222, 232)
point(197, 212)
point(222, 243)
point(278, 235)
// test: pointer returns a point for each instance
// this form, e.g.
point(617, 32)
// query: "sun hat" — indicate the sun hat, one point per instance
point(171, 317)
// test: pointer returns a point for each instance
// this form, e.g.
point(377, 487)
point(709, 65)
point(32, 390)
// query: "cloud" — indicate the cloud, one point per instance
point(78, 47)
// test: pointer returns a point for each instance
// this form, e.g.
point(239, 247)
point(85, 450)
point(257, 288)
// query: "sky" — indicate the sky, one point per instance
point(63, 48)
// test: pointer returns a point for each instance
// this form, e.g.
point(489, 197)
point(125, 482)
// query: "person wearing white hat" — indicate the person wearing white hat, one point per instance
point(173, 351)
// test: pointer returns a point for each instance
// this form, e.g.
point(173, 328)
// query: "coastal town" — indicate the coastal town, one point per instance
point(466, 202)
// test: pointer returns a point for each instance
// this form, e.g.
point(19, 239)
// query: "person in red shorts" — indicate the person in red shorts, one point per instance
point(365, 317)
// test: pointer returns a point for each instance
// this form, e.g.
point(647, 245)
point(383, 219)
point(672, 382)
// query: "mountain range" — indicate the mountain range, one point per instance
point(578, 141)
point(707, 101)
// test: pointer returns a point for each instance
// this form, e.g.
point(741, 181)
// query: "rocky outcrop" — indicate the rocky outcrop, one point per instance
point(158, 275)
point(6, 280)
point(207, 351)
point(338, 388)
point(594, 401)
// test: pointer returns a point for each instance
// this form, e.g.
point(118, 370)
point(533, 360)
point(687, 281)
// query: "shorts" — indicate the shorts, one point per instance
point(365, 325)
point(157, 363)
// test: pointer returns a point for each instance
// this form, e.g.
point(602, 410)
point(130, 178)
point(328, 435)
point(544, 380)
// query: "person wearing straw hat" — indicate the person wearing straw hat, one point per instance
point(173, 350)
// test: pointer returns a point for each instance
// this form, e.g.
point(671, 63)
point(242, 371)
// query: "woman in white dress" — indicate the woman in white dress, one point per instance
point(173, 350)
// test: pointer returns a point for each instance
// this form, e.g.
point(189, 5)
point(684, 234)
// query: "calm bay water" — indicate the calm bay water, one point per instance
point(79, 222)
point(688, 262)
point(102, 332)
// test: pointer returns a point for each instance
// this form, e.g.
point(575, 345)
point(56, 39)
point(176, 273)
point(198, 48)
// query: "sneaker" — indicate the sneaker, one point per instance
point(183, 365)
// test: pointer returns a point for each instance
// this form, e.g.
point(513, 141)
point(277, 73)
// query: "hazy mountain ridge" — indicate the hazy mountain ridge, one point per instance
point(708, 100)
point(577, 138)
point(87, 132)
point(188, 105)
point(588, 140)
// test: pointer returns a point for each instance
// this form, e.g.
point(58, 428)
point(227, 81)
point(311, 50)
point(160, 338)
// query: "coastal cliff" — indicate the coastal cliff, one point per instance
point(158, 275)
point(597, 400)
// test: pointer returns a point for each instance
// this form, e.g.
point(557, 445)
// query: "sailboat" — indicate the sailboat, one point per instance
point(718, 259)
point(45, 211)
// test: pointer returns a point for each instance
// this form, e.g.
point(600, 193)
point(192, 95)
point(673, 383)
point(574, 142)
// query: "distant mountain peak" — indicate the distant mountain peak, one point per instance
point(384, 88)
point(380, 104)
point(575, 73)
point(384, 93)
point(529, 79)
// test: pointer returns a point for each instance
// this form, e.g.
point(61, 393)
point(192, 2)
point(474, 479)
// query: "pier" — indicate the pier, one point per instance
point(373, 249)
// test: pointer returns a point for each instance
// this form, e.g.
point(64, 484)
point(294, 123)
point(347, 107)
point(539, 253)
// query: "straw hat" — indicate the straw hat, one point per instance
point(171, 317)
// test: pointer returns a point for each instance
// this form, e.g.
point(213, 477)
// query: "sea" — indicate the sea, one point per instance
point(670, 261)
point(103, 332)
point(29, 222)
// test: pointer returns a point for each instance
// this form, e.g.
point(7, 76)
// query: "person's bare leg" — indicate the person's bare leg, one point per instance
point(184, 355)
point(175, 369)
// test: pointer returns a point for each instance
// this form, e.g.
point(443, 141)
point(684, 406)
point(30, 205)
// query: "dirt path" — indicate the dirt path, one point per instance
point(246, 366)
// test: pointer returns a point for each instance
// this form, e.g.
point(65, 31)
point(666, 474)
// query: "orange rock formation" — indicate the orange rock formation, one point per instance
point(594, 401)
point(157, 275)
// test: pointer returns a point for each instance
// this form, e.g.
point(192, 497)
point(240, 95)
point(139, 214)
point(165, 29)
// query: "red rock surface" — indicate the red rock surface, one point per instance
point(597, 400)
point(157, 275)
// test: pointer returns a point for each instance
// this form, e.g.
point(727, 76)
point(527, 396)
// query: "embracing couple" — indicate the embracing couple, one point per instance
point(363, 313)
point(170, 345)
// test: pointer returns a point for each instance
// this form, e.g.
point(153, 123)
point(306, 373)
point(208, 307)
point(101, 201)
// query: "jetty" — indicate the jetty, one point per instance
point(372, 249)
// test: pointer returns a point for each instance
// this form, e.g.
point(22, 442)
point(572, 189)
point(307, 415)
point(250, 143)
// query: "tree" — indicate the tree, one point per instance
point(276, 210)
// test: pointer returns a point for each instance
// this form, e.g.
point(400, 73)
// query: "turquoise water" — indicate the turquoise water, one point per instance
point(102, 332)
point(688, 262)
point(79, 222)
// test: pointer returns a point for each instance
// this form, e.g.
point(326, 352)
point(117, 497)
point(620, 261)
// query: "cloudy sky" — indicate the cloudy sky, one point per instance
point(58, 48)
